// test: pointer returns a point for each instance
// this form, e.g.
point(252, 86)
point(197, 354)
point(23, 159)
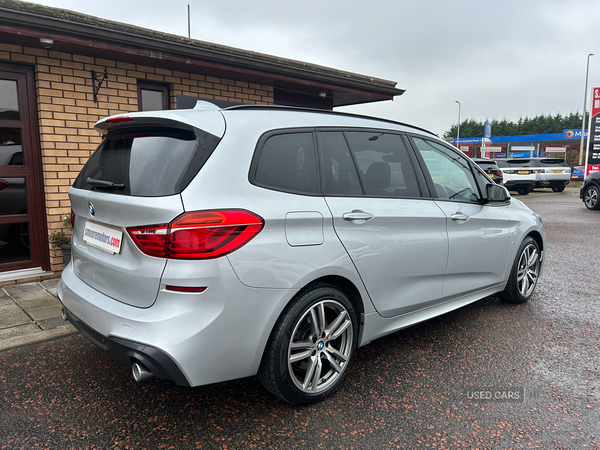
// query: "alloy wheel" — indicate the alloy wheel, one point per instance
point(320, 346)
point(591, 197)
point(528, 270)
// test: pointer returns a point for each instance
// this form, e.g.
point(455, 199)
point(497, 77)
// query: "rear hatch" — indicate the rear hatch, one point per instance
point(134, 179)
point(555, 169)
point(519, 169)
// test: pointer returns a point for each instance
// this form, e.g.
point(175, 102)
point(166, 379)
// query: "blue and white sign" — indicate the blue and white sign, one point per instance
point(574, 134)
point(487, 130)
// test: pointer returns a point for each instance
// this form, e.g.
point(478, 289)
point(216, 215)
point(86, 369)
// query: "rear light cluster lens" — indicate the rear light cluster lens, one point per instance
point(119, 119)
point(198, 235)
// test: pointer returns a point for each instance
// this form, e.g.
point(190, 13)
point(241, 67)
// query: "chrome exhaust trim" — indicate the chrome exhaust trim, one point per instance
point(140, 372)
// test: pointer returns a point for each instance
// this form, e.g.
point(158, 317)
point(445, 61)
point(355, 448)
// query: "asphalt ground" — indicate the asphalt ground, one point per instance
point(417, 388)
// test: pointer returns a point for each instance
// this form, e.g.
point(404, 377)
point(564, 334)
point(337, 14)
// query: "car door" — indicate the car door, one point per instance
point(478, 232)
point(396, 238)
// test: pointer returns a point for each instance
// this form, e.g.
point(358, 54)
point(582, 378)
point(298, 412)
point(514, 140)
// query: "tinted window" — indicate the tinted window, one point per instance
point(287, 162)
point(146, 162)
point(384, 165)
point(553, 162)
point(451, 173)
point(521, 163)
point(340, 176)
point(486, 165)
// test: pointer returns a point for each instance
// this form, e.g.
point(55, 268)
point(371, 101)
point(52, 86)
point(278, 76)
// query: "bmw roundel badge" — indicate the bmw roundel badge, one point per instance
point(91, 209)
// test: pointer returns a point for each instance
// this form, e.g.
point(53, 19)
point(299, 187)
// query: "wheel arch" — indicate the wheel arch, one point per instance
point(340, 282)
point(347, 287)
point(537, 237)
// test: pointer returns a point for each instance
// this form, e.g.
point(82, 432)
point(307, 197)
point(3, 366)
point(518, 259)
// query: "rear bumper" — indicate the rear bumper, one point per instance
point(553, 183)
point(519, 184)
point(191, 338)
point(127, 352)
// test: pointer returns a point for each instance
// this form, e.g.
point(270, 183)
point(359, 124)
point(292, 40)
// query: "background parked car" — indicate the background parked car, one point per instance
point(491, 168)
point(577, 173)
point(552, 173)
point(590, 191)
point(518, 175)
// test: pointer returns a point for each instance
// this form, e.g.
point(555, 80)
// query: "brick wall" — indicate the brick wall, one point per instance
point(67, 112)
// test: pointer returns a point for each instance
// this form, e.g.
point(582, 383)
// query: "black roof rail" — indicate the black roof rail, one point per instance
point(245, 106)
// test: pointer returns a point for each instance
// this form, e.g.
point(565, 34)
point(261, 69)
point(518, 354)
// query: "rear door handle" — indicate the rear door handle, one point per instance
point(357, 215)
point(459, 217)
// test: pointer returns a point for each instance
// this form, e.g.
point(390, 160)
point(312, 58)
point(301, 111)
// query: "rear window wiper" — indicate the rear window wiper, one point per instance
point(103, 183)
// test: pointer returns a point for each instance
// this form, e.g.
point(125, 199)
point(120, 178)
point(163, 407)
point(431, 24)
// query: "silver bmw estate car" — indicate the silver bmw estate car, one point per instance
point(213, 244)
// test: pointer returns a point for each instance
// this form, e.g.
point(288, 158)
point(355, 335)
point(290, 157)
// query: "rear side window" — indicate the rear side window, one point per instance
point(287, 162)
point(147, 162)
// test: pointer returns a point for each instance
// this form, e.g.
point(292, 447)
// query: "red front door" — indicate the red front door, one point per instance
point(23, 230)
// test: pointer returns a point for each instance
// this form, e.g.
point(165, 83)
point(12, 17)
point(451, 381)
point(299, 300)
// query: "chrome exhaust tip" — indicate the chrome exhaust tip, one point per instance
point(63, 314)
point(140, 372)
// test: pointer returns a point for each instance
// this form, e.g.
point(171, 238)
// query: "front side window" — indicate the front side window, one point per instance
point(287, 162)
point(451, 173)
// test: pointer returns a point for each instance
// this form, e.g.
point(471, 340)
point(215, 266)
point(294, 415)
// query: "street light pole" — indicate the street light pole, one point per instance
point(458, 129)
point(585, 93)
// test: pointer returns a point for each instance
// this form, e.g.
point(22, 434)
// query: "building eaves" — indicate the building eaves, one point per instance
point(56, 20)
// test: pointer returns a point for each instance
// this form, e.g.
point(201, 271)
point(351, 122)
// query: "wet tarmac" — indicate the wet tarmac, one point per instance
point(488, 376)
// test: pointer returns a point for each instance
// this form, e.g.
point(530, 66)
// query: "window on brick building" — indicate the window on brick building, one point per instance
point(152, 96)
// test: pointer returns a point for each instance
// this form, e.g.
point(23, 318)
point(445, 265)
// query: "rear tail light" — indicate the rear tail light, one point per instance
point(72, 219)
point(198, 235)
point(119, 119)
point(3, 184)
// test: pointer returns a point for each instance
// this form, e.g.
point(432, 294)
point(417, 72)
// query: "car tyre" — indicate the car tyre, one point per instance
point(524, 191)
point(558, 188)
point(311, 346)
point(524, 273)
point(591, 197)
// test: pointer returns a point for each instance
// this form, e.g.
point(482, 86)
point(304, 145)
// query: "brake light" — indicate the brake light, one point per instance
point(198, 235)
point(3, 184)
point(119, 119)
point(72, 219)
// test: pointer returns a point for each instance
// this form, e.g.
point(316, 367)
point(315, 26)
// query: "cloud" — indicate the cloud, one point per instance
point(499, 58)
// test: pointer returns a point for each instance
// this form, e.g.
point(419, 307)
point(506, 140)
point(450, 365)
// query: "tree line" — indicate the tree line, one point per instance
point(542, 124)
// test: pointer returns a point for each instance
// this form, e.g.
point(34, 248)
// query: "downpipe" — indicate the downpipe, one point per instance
point(140, 372)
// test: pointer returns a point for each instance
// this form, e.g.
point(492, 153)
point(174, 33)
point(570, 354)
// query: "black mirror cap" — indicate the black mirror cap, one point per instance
point(497, 193)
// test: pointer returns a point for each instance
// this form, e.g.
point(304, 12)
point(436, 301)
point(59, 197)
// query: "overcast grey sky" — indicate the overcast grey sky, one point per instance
point(499, 58)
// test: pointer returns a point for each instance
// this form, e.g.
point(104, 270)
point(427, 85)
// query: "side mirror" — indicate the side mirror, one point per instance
point(497, 193)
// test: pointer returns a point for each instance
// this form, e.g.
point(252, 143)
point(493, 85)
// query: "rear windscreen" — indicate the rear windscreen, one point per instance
point(146, 161)
point(553, 162)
